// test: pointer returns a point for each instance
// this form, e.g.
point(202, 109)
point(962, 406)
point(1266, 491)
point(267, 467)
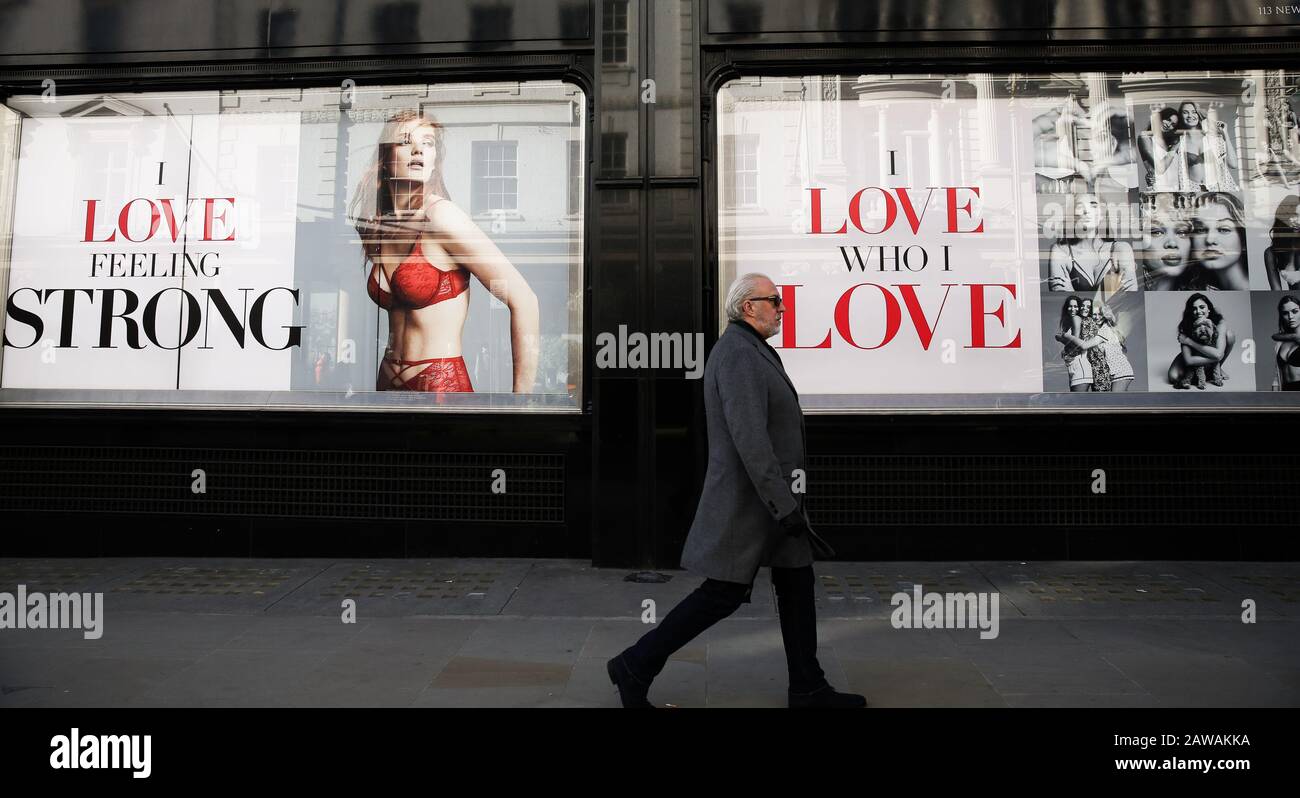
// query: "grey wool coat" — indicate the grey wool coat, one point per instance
point(756, 440)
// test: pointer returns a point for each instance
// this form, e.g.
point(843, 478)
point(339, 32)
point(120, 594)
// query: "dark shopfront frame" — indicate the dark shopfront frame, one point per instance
point(86, 481)
point(993, 484)
point(633, 460)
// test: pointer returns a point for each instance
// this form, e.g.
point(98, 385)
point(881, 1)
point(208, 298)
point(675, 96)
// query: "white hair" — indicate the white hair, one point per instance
point(739, 292)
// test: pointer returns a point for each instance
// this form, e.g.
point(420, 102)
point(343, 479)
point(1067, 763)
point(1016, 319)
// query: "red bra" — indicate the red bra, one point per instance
point(421, 285)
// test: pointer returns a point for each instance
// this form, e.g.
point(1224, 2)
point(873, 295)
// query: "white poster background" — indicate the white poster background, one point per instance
point(780, 137)
point(115, 159)
point(63, 163)
point(252, 158)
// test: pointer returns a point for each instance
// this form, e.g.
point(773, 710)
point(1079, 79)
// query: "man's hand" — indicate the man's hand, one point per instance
point(794, 524)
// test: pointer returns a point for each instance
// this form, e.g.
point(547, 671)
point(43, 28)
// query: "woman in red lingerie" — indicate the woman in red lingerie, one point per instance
point(420, 250)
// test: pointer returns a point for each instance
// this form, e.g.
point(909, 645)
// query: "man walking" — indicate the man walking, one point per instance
point(748, 514)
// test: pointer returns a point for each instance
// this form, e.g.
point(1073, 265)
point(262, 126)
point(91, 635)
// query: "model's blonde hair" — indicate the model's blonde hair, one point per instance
point(372, 202)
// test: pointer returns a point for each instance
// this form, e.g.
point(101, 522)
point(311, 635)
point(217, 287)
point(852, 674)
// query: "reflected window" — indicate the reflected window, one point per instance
point(614, 32)
point(613, 154)
point(575, 177)
point(495, 176)
point(741, 154)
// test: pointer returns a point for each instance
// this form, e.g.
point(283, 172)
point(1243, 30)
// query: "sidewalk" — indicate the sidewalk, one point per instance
point(537, 633)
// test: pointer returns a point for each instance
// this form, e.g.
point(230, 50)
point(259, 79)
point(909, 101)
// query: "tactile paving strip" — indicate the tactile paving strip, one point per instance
point(880, 586)
point(1099, 588)
point(414, 582)
point(47, 573)
point(1281, 586)
point(191, 580)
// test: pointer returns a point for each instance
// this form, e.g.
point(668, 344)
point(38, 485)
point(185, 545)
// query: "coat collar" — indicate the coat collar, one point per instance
point(756, 340)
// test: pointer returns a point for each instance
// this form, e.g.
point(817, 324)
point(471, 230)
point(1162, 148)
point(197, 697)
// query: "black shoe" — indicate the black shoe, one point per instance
point(826, 698)
point(630, 689)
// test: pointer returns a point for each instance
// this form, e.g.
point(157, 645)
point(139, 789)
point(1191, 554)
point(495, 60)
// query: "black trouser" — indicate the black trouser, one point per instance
point(715, 600)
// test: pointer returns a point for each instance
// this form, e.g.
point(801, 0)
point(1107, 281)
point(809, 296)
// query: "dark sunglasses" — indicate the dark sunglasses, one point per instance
point(775, 299)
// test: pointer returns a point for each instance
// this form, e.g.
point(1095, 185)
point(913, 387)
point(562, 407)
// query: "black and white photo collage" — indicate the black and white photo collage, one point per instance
point(1169, 230)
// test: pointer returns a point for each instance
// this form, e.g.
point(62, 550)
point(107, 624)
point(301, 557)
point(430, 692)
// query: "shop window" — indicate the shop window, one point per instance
point(1085, 241)
point(258, 248)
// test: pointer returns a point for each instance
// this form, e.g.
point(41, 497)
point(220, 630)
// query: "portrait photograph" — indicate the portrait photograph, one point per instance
point(1094, 345)
point(1194, 341)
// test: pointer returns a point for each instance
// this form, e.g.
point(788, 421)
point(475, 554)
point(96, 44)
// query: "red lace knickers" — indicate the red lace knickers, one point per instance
point(439, 374)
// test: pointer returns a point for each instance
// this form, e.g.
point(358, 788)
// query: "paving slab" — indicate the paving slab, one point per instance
point(561, 588)
point(1082, 700)
point(681, 684)
point(31, 679)
point(1051, 670)
point(1203, 680)
point(919, 682)
point(747, 670)
point(1274, 587)
point(1272, 639)
point(415, 636)
point(234, 679)
point(301, 633)
point(164, 634)
point(389, 663)
point(488, 697)
point(1015, 633)
point(608, 638)
point(877, 638)
point(224, 585)
point(1132, 589)
point(550, 640)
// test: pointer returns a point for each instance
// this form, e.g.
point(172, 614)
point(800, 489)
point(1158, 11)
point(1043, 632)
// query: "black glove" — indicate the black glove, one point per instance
point(794, 524)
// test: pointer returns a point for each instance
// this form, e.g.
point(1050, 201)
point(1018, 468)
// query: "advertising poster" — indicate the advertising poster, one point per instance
point(403, 246)
point(900, 262)
point(1000, 240)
